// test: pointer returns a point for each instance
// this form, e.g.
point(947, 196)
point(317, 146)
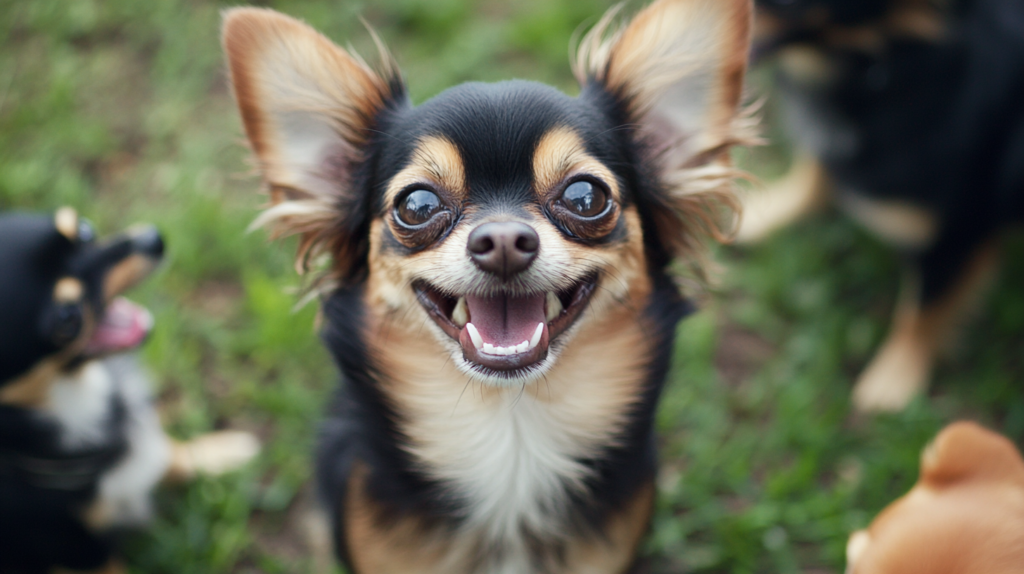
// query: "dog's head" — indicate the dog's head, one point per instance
point(59, 295)
point(965, 515)
point(506, 215)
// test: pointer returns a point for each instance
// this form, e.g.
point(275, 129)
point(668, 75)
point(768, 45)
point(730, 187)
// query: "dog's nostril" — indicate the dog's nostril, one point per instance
point(503, 248)
point(528, 243)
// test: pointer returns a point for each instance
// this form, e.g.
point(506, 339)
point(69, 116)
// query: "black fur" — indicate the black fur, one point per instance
point(936, 123)
point(496, 128)
point(45, 484)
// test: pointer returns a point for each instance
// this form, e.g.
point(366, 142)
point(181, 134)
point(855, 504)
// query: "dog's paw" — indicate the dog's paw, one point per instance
point(800, 191)
point(212, 454)
point(898, 373)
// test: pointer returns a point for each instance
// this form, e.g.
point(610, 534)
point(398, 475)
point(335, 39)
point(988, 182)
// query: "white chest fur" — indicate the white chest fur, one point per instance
point(83, 404)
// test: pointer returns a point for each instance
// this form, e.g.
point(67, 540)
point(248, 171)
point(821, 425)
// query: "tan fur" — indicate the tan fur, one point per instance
point(436, 161)
point(281, 69)
point(31, 389)
point(560, 155)
point(671, 50)
point(902, 368)
point(802, 189)
point(965, 515)
point(68, 290)
point(66, 222)
point(126, 274)
point(900, 223)
point(212, 453)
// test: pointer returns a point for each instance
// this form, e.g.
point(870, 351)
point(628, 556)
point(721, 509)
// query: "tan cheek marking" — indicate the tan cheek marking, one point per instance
point(560, 155)
point(125, 275)
point(68, 290)
point(436, 161)
point(66, 222)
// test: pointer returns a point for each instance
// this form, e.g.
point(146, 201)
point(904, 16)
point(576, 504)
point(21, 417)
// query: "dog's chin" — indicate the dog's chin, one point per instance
point(506, 338)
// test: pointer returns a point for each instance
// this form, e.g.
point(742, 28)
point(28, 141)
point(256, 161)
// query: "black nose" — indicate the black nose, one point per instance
point(503, 248)
point(148, 242)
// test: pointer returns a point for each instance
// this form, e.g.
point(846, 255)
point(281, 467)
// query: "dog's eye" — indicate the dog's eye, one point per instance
point(584, 199)
point(418, 207)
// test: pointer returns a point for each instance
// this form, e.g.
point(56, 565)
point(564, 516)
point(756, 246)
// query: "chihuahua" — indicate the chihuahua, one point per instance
point(81, 447)
point(498, 295)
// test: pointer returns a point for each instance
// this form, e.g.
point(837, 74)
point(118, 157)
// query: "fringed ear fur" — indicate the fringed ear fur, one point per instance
point(308, 107)
point(677, 71)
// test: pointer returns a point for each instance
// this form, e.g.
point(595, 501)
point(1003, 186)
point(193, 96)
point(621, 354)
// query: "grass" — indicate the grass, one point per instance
point(120, 109)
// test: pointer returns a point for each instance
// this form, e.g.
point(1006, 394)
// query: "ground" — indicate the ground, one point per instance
point(120, 109)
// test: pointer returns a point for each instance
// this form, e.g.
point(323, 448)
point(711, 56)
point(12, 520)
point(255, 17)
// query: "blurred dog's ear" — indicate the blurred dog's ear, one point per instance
point(676, 72)
point(308, 108)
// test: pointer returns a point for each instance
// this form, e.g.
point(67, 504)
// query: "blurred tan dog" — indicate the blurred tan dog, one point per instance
point(965, 515)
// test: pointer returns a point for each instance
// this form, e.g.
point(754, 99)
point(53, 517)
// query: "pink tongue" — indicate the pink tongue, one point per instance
point(123, 326)
point(505, 320)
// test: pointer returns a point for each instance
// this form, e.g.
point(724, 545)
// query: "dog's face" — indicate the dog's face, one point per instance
point(506, 216)
point(59, 290)
point(965, 515)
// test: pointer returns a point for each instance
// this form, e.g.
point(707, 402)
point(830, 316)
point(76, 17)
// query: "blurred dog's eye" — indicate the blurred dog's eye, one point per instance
point(65, 324)
point(418, 207)
point(86, 232)
point(584, 199)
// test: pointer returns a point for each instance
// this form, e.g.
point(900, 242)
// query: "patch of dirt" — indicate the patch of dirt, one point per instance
point(740, 354)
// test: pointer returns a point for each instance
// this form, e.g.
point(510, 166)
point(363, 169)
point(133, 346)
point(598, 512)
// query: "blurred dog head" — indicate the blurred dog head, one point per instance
point(498, 213)
point(965, 515)
point(59, 303)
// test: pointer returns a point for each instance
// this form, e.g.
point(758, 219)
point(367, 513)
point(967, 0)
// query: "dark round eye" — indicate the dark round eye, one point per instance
point(65, 324)
point(86, 232)
point(584, 199)
point(418, 207)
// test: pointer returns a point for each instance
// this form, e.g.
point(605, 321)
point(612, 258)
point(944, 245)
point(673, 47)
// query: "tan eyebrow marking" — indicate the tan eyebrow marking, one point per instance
point(66, 222)
point(560, 154)
point(68, 290)
point(436, 161)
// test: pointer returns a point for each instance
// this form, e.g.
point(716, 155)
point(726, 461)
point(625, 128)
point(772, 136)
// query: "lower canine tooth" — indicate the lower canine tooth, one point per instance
point(474, 336)
point(536, 335)
point(460, 316)
point(489, 349)
point(554, 307)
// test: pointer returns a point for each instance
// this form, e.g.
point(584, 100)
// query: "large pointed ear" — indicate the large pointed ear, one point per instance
point(676, 71)
point(308, 108)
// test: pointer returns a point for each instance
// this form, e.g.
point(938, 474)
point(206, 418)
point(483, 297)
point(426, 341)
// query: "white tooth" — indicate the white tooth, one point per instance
point(536, 335)
point(474, 335)
point(523, 347)
point(503, 350)
point(490, 349)
point(554, 307)
point(460, 316)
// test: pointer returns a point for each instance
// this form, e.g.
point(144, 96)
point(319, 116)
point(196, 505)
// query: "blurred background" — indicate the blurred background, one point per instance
point(121, 109)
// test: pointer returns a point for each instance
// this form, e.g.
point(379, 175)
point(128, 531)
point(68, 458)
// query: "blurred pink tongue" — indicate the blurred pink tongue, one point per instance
point(504, 320)
point(123, 326)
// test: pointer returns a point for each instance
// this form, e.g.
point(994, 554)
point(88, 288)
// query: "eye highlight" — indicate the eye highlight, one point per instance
point(584, 209)
point(584, 199)
point(421, 217)
point(418, 207)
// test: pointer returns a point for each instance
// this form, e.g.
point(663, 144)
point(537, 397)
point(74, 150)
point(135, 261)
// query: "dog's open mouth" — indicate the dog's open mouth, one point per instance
point(124, 326)
point(505, 332)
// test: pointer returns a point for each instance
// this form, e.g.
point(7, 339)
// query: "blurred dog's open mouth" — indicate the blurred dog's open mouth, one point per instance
point(505, 332)
point(124, 326)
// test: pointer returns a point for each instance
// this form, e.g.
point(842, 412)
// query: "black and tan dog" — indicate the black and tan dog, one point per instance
point(81, 447)
point(909, 115)
point(498, 298)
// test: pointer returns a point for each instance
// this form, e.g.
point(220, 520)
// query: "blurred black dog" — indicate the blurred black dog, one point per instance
point(80, 444)
point(910, 113)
